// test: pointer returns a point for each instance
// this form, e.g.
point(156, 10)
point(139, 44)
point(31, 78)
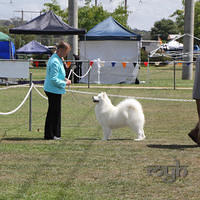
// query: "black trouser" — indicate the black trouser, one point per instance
point(53, 118)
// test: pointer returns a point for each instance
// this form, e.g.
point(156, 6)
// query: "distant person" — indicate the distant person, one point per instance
point(78, 69)
point(54, 86)
point(194, 134)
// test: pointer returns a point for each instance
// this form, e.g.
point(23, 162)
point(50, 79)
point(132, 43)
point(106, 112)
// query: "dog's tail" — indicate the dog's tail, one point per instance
point(134, 108)
point(131, 103)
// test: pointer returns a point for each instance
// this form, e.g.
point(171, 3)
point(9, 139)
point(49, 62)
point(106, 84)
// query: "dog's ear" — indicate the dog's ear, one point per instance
point(104, 94)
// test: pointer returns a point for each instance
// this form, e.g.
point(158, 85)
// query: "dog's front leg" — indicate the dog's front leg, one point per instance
point(106, 133)
point(141, 135)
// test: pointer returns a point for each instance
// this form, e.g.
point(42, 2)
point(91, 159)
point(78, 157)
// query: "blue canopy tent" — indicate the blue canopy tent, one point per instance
point(111, 29)
point(111, 42)
point(7, 48)
point(33, 47)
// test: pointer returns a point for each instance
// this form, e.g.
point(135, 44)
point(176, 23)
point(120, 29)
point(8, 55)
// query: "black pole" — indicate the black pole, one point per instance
point(174, 75)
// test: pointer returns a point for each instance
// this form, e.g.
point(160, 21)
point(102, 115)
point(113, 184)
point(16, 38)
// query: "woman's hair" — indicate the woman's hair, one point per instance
point(63, 45)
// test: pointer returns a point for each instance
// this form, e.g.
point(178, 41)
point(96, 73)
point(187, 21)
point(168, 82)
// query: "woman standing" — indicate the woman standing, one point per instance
point(54, 86)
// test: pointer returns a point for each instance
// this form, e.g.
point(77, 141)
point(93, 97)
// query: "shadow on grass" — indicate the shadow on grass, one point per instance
point(86, 139)
point(120, 139)
point(115, 139)
point(22, 139)
point(172, 146)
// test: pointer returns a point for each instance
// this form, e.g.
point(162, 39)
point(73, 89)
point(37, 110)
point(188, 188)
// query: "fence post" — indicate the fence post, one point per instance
point(30, 104)
point(148, 71)
point(174, 75)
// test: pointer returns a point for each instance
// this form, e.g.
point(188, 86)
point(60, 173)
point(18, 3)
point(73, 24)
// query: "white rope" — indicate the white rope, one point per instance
point(84, 74)
point(40, 93)
point(192, 36)
point(143, 98)
point(14, 86)
point(69, 74)
point(21, 104)
point(152, 53)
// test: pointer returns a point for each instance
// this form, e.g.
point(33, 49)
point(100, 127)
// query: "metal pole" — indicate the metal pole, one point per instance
point(174, 75)
point(22, 16)
point(30, 104)
point(188, 40)
point(73, 21)
point(125, 4)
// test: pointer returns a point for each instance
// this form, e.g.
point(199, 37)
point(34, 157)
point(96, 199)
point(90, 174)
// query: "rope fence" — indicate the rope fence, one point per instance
point(20, 105)
point(85, 93)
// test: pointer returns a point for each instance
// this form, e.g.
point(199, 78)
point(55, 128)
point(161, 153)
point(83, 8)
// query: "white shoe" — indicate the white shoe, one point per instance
point(56, 138)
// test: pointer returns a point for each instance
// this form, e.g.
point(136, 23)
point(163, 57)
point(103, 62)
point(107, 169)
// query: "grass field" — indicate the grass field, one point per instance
point(81, 166)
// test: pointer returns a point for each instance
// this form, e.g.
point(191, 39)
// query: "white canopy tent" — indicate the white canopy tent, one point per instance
point(118, 50)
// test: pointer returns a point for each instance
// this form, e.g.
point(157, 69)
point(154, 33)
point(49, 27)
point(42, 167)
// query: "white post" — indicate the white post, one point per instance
point(30, 104)
point(99, 70)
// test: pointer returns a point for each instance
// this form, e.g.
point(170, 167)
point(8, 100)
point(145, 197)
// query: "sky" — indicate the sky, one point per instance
point(144, 13)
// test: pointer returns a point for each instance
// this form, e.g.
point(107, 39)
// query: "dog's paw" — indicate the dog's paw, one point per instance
point(140, 139)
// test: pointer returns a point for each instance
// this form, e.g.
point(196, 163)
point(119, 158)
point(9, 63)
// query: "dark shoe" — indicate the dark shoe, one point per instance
point(194, 134)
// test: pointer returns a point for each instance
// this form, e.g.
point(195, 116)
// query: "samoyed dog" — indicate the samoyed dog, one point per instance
point(127, 113)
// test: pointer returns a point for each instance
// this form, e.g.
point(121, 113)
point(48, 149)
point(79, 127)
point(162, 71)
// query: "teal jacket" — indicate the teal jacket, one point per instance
point(55, 76)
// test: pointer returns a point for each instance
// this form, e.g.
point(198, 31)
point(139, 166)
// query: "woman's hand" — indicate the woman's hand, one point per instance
point(68, 82)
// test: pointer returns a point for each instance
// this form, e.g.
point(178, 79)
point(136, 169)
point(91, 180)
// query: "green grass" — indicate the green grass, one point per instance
point(153, 77)
point(164, 76)
point(81, 166)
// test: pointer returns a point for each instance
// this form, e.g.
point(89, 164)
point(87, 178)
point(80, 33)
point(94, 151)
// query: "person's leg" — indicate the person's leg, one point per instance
point(194, 134)
point(198, 124)
point(48, 130)
point(57, 114)
point(198, 108)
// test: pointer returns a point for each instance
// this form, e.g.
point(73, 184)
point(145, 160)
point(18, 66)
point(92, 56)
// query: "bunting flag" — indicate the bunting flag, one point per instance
point(134, 65)
point(188, 64)
point(69, 64)
point(113, 64)
point(179, 64)
point(146, 64)
point(102, 63)
point(124, 64)
point(36, 63)
point(91, 63)
point(160, 41)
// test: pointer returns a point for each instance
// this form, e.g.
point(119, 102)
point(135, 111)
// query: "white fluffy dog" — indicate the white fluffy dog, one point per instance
point(127, 113)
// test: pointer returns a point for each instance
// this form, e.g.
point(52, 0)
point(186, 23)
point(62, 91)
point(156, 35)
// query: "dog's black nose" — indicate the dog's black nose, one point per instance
point(95, 100)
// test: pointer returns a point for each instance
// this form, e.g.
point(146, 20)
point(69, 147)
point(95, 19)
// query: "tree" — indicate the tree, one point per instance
point(89, 15)
point(179, 14)
point(197, 20)
point(55, 7)
point(121, 15)
point(20, 39)
point(163, 28)
point(95, 13)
